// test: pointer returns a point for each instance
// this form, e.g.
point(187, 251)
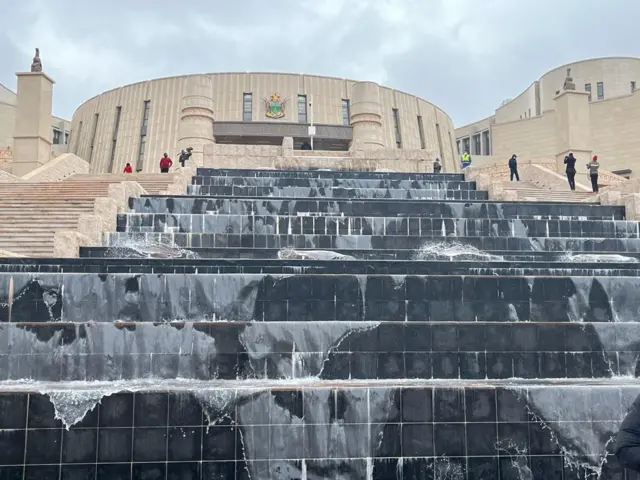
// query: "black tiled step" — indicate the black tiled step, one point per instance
point(336, 192)
point(399, 350)
point(436, 253)
point(404, 226)
point(475, 431)
point(307, 266)
point(279, 182)
point(372, 242)
point(46, 297)
point(237, 172)
point(369, 207)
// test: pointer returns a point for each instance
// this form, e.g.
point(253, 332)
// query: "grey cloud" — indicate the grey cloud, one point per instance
point(466, 56)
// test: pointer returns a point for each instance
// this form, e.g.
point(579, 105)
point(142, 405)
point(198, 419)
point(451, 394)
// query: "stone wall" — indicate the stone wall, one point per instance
point(274, 157)
point(60, 168)
point(530, 139)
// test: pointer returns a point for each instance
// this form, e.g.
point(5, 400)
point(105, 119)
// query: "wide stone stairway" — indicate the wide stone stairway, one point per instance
point(323, 325)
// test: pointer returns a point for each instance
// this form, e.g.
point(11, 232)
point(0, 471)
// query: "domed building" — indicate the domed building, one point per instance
point(138, 123)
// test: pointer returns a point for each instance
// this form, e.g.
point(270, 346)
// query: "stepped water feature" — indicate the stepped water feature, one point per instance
point(322, 325)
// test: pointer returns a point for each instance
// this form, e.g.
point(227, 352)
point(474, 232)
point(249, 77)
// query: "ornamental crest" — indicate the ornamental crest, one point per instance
point(274, 106)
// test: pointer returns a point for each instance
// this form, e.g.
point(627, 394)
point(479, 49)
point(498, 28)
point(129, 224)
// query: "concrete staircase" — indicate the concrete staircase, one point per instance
point(153, 183)
point(31, 213)
point(529, 192)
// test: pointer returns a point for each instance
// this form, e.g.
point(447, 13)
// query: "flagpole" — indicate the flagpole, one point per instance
point(311, 129)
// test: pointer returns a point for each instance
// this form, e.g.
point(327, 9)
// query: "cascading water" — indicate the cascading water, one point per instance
point(453, 251)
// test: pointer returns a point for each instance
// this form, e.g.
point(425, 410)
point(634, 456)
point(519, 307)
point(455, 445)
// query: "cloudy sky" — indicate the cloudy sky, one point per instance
point(466, 56)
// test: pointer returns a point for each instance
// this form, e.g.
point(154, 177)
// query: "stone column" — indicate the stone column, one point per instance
point(573, 131)
point(196, 121)
point(366, 117)
point(32, 133)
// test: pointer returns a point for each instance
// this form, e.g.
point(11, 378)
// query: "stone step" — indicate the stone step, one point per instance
point(411, 226)
point(280, 182)
point(336, 192)
point(373, 242)
point(439, 251)
point(325, 265)
point(214, 172)
point(387, 350)
point(367, 207)
point(50, 297)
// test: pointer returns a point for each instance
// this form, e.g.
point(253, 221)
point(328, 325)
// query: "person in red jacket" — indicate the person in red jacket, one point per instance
point(128, 169)
point(165, 164)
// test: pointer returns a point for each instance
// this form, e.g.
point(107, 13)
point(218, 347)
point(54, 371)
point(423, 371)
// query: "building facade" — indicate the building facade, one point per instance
point(531, 124)
point(60, 128)
point(138, 123)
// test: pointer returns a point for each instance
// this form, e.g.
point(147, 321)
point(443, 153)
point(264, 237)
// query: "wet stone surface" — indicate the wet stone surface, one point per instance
point(324, 325)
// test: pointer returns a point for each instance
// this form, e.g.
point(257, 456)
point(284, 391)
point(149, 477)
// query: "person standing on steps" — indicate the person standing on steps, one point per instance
point(165, 164)
point(466, 160)
point(127, 168)
point(437, 166)
point(513, 166)
point(593, 166)
point(570, 162)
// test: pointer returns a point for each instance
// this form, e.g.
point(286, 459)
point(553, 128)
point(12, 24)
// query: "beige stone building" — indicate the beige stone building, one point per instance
point(601, 116)
point(137, 123)
point(60, 128)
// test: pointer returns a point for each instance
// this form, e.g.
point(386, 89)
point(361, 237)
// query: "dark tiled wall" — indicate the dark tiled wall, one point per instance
point(151, 297)
point(238, 172)
point(368, 208)
point(378, 433)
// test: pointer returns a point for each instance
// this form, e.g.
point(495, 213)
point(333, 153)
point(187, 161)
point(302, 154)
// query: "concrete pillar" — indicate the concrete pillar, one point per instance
point(32, 133)
point(196, 121)
point(573, 131)
point(366, 117)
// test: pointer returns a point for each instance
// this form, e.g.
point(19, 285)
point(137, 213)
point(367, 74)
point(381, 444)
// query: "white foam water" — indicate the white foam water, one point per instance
point(292, 254)
point(147, 249)
point(453, 251)
point(570, 257)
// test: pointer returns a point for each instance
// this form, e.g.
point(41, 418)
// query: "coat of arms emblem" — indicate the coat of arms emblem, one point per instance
point(274, 106)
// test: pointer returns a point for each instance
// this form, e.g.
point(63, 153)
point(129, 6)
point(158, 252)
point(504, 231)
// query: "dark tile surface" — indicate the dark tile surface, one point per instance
point(469, 432)
point(512, 361)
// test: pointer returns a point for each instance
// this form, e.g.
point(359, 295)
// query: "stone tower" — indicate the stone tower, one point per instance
point(366, 116)
point(32, 133)
point(196, 121)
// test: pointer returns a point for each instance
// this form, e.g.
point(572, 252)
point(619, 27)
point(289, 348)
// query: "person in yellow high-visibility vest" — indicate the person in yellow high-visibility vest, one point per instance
point(466, 159)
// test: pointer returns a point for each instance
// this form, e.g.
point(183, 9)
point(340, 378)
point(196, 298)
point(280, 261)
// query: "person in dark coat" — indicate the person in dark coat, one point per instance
point(628, 439)
point(513, 166)
point(185, 155)
point(570, 162)
point(437, 166)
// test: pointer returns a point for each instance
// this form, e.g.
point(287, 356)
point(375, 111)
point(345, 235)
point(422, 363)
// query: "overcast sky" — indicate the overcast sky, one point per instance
point(466, 56)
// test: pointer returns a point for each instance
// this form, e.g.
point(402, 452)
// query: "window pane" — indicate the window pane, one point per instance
point(600, 87)
point(247, 107)
point(302, 108)
point(421, 132)
point(346, 120)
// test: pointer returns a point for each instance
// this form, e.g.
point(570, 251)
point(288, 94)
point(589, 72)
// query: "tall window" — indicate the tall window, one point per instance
point(587, 88)
point(143, 136)
point(458, 146)
point(633, 86)
point(477, 150)
point(93, 136)
point(396, 128)
point(465, 145)
point(247, 107)
point(600, 87)
point(114, 138)
point(66, 137)
point(57, 136)
point(77, 137)
point(440, 145)
point(346, 113)
point(486, 143)
point(302, 108)
point(423, 144)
